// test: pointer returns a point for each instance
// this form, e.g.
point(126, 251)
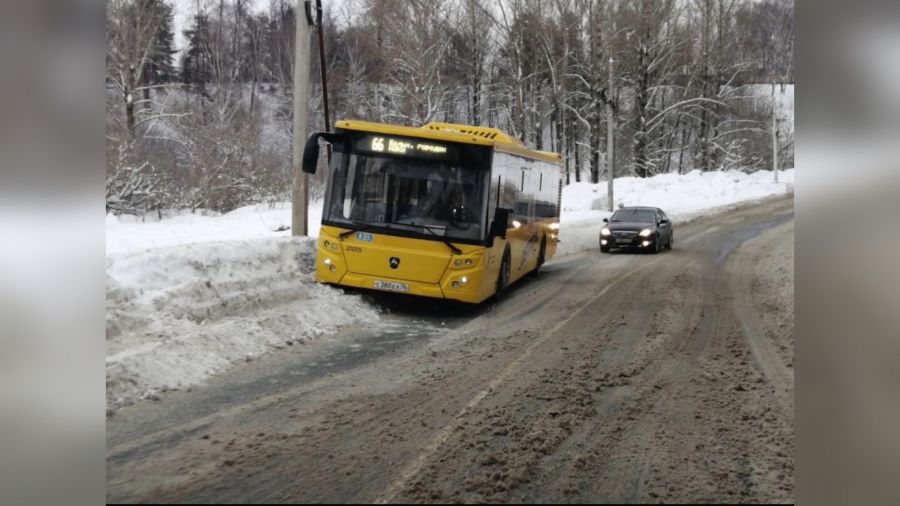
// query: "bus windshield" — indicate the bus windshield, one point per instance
point(421, 197)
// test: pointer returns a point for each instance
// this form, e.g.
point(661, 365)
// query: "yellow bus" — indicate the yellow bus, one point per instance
point(444, 210)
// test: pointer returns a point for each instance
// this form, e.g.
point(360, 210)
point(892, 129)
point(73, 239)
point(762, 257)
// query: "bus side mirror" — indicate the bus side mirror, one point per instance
point(500, 223)
point(310, 159)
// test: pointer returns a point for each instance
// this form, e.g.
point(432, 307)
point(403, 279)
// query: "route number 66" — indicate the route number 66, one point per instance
point(378, 144)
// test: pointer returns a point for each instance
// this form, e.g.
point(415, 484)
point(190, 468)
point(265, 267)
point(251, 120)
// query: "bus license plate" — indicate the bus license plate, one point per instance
point(394, 287)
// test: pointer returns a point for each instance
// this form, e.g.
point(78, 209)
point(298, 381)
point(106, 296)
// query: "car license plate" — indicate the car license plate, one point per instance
point(623, 241)
point(391, 286)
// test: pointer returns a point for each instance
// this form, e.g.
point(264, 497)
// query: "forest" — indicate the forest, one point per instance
point(688, 84)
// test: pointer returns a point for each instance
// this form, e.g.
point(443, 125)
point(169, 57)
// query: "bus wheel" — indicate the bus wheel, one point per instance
point(540, 262)
point(503, 277)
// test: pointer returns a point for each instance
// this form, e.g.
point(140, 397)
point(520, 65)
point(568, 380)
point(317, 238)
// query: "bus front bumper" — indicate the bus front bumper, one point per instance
point(458, 287)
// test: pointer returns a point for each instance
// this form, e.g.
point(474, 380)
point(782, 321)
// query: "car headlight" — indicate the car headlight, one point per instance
point(646, 232)
point(605, 232)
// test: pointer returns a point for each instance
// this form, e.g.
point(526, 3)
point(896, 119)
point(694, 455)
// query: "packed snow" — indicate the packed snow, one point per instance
point(129, 234)
point(682, 197)
point(191, 295)
point(176, 315)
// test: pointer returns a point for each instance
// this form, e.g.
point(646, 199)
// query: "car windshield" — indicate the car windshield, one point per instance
point(634, 216)
point(432, 198)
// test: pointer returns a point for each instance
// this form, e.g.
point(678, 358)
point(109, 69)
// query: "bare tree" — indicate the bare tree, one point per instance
point(519, 82)
point(687, 83)
point(416, 51)
point(471, 44)
point(647, 69)
point(131, 40)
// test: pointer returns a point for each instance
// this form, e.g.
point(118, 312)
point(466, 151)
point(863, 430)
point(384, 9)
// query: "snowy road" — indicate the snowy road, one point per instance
point(612, 378)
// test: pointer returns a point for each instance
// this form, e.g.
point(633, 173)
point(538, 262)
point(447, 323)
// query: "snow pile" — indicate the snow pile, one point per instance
point(682, 197)
point(131, 234)
point(176, 315)
point(191, 295)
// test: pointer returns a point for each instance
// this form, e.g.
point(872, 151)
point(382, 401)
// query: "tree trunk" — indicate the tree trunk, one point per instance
point(577, 158)
point(129, 113)
point(641, 100)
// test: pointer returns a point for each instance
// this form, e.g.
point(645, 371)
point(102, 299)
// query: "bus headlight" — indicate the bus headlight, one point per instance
point(464, 280)
point(455, 284)
point(460, 262)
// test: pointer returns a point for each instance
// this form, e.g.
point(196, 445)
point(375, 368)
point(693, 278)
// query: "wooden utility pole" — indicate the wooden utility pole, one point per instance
point(610, 137)
point(300, 193)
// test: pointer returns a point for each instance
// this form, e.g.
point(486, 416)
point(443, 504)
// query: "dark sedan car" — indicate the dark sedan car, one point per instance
point(644, 228)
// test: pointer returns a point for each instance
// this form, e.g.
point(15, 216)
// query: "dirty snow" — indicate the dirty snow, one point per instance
point(176, 315)
point(191, 295)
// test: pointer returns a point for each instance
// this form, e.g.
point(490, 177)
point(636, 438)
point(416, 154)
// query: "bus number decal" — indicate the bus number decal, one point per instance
point(354, 249)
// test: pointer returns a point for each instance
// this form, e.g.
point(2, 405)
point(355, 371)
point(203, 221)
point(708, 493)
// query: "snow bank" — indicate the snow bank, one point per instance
point(192, 295)
point(682, 197)
point(125, 234)
point(176, 315)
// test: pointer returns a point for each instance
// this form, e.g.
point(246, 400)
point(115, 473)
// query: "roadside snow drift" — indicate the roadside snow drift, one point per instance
point(682, 197)
point(176, 315)
point(126, 234)
point(192, 295)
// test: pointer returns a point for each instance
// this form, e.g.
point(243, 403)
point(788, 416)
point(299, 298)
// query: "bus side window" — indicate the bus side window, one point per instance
point(495, 188)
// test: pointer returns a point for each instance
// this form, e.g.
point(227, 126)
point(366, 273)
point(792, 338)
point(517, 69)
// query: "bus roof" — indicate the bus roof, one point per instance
point(452, 132)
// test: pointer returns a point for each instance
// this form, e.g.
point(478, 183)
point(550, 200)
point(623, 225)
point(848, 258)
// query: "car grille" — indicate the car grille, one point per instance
point(624, 234)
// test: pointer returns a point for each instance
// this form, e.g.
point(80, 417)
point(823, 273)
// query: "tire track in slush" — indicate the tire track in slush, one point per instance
point(411, 470)
point(687, 372)
point(670, 369)
point(584, 363)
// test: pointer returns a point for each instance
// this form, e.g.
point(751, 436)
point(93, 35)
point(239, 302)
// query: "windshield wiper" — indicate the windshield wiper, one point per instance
point(453, 248)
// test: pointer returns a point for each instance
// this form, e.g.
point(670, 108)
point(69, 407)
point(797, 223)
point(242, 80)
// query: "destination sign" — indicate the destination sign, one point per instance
point(399, 146)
